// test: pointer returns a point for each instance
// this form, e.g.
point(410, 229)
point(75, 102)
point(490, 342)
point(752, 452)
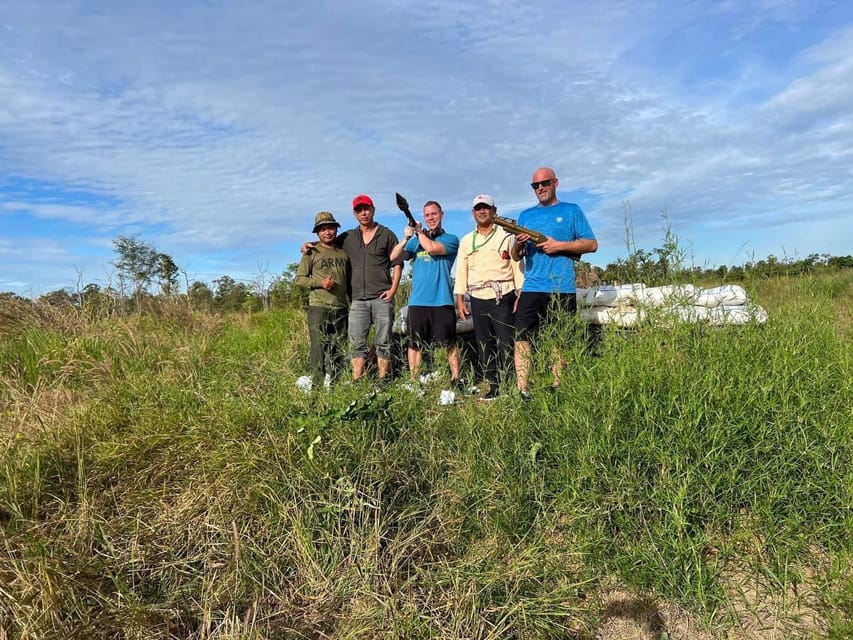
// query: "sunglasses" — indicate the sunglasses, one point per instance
point(482, 206)
point(542, 183)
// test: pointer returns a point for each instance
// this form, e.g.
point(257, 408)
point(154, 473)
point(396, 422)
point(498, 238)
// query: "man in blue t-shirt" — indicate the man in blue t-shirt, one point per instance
point(549, 276)
point(432, 317)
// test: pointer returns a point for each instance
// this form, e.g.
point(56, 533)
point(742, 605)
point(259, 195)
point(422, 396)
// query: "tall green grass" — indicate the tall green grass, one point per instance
point(189, 491)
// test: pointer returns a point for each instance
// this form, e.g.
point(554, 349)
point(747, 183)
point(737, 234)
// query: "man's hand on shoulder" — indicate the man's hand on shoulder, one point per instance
point(307, 248)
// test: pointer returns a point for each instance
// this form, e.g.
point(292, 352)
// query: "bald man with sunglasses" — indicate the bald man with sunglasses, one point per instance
point(549, 274)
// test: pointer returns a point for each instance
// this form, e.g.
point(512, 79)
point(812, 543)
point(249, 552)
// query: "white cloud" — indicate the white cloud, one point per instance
point(228, 127)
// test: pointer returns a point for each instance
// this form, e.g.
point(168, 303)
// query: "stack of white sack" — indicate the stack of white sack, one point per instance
point(629, 304)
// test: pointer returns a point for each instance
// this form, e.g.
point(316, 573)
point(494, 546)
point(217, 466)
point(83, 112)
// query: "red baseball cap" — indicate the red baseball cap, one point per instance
point(362, 199)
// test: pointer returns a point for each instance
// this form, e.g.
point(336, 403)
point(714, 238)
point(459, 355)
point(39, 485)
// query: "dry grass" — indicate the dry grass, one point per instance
point(162, 479)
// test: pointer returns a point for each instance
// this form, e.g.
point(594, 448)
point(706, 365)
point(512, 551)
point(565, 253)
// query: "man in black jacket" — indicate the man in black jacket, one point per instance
point(374, 279)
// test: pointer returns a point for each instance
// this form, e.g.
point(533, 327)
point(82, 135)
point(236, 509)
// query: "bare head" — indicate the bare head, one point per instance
point(433, 214)
point(544, 184)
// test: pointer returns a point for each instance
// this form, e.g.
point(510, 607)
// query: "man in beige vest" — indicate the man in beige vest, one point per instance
point(485, 270)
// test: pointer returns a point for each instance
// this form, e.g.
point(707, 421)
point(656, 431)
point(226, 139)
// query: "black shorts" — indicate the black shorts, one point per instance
point(432, 325)
point(535, 309)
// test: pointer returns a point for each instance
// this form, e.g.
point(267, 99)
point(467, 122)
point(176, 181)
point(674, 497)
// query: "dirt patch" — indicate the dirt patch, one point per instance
point(766, 610)
point(629, 616)
point(760, 608)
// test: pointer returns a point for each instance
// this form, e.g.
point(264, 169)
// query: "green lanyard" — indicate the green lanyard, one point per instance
point(474, 246)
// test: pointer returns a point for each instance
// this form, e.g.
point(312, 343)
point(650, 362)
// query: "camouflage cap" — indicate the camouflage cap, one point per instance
point(322, 219)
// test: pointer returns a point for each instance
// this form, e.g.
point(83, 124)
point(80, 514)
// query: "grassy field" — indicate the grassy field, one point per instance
point(163, 478)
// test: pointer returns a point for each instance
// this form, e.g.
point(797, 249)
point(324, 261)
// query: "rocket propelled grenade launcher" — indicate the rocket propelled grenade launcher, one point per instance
point(403, 205)
point(513, 227)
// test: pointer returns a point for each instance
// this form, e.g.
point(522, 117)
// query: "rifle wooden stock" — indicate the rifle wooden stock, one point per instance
point(513, 227)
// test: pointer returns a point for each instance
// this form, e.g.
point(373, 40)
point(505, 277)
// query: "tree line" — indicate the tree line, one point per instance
point(144, 276)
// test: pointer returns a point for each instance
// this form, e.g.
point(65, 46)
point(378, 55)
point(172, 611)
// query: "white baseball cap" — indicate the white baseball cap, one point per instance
point(484, 199)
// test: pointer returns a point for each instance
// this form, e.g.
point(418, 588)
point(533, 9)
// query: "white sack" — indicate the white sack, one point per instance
point(612, 296)
point(690, 314)
point(620, 316)
point(674, 294)
point(673, 315)
point(729, 294)
point(738, 315)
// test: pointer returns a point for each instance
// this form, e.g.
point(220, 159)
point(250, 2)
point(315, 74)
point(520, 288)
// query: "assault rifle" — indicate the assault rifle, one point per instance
point(513, 227)
point(403, 205)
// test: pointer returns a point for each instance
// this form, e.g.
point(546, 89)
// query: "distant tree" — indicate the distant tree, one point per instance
point(58, 298)
point(200, 296)
point(841, 262)
point(137, 263)
point(79, 298)
point(91, 289)
point(285, 293)
point(252, 302)
point(230, 294)
point(261, 286)
point(639, 266)
point(93, 298)
point(167, 274)
point(224, 287)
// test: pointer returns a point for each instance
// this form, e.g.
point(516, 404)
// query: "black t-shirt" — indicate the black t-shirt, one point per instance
point(371, 264)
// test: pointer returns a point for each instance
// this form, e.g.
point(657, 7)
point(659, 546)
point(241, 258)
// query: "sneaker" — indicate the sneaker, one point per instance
point(526, 396)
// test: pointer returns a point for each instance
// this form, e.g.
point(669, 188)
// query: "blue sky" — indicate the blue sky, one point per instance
point(216, 130)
